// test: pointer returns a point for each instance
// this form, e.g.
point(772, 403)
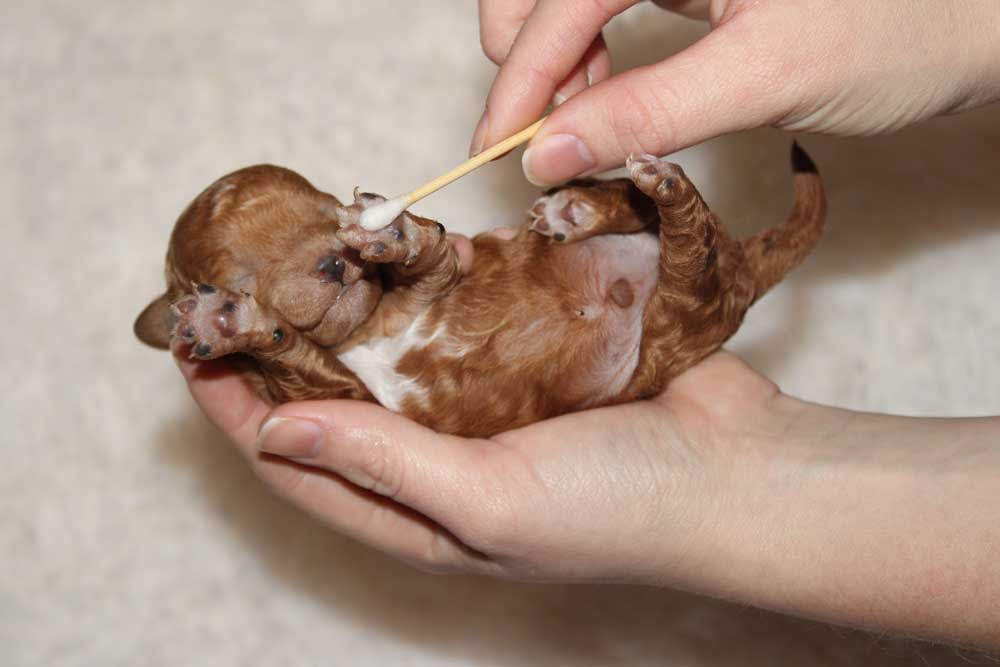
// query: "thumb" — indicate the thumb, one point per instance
point(727, 81)
point(379, 451)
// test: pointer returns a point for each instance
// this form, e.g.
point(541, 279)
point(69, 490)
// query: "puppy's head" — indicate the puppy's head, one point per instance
point(268, 232)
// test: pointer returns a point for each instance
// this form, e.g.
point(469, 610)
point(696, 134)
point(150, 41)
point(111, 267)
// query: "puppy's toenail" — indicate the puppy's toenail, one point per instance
point(397, 233)
point(559, 236)
point(203, 350)
point(205, 288)
point(440, 228)
point(278, 335)
point(229, 307)
point(188, 333)
point(378, 248)
point(669, 182)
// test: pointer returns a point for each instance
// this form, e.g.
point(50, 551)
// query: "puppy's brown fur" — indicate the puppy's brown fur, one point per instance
point(611, 290)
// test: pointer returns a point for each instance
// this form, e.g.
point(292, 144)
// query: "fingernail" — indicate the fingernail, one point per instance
point(295, 438)
point(558, 99)
point(555, 159)
point(479, 136)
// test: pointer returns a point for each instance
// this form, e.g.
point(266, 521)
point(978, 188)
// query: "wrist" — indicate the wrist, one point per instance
point(866, 520)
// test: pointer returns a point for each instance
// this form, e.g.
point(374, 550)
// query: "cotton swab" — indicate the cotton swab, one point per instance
point(380, 215)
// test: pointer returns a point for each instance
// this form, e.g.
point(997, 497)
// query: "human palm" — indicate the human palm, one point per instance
point(588, 495)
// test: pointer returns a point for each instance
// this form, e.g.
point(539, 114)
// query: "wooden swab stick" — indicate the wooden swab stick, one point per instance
point(380, 215)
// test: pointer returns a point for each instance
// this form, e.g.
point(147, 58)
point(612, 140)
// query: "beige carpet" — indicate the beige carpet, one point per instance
point(131, 534)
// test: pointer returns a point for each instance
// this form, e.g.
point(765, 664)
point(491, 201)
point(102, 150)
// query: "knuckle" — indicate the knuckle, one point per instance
point(493, 46)
point(603, 10)
point(431, 567)
point(536, 75)
point(382, 468)
point(439, 557)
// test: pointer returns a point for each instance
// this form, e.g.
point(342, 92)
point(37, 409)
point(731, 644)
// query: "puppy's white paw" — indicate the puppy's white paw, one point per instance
point(654, 177)
point(216, 322)
point(562, 216)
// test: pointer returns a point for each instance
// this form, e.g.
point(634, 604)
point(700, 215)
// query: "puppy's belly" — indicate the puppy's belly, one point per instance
point(517, 343)
point(375, 362)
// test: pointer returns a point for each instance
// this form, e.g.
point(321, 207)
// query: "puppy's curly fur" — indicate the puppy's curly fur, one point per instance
point(610, 290)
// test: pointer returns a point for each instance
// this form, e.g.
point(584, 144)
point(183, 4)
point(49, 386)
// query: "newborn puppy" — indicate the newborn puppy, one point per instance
point(609, 291)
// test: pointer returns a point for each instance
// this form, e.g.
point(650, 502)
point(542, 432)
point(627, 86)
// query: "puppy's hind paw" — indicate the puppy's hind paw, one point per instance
point(657, 179)
point(563, 216)
point(216, 322)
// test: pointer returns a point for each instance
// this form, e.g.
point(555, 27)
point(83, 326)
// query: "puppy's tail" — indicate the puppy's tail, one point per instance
point(772, 253)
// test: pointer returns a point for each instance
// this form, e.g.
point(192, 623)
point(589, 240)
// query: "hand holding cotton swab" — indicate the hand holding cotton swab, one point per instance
point(380, 215)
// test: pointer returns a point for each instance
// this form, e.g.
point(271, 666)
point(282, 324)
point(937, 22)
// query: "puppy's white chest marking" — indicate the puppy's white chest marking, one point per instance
point(375, 361)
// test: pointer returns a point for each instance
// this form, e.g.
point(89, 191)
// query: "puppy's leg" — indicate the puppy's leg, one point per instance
point(417, 250)
point(587, 208)
point(701, 292)
point(216, 322)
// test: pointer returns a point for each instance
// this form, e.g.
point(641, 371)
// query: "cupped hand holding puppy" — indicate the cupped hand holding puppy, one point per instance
point(844, 67)
point(721, 485)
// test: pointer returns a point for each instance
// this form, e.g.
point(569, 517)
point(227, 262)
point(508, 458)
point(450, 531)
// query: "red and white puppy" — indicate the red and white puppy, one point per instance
point(609, 290)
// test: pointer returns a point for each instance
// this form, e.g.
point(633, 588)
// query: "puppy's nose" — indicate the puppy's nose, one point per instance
point(331, 269)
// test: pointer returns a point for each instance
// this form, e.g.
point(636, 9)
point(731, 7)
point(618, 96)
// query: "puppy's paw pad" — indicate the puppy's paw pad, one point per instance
point(402, 241)
point(654, 177)
point(351, 214)
point(562, 216)
point(216, 322)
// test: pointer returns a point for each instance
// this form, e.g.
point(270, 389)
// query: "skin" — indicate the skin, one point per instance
point(721, 484)
point(792, 65)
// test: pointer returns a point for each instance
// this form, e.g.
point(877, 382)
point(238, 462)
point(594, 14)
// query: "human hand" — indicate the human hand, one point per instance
point(721, 485)
point(626, 493)
point(846, 67)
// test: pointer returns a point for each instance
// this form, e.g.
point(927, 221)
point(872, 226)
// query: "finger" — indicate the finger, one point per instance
point(499, 23)
point(725, 82)
point(226, 399)
point(503, 232)
point(552, 41)
point(463, 247)
point(385, 453)
point(594, 67)
point(231, 404)
point(695, 9)
point(370, 518)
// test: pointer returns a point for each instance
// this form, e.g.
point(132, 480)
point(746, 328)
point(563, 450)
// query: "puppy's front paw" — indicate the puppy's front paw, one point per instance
point(563, 216)
point(401, 242)
point(657, 179)
point(216, 322)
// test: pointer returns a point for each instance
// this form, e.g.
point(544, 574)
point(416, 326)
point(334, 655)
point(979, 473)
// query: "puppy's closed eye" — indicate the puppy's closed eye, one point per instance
point(331, 269)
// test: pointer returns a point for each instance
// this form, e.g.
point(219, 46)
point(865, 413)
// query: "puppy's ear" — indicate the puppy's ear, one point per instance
point(155, 324)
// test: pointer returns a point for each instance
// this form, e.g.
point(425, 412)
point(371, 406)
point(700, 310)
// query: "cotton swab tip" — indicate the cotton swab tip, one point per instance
point(381, 215)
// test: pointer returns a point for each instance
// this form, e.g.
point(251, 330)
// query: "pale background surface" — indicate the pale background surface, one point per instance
point(132, 534)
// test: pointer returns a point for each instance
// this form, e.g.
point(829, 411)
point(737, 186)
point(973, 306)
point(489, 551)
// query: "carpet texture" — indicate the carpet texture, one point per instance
point(132, 534)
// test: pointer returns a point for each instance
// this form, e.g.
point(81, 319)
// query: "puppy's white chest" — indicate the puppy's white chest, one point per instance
point(375, 361)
